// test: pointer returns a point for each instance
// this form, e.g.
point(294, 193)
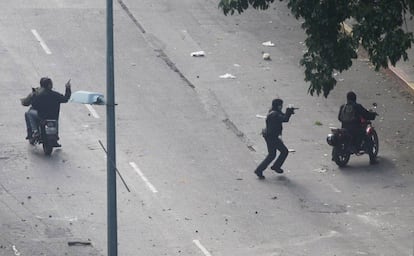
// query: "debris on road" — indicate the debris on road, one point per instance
point(79, 243)
point(261, 116)
point(266, 56)
point(268, 43)
point(198, 54)
point(318, 123)
point(291, 150)
point(227, 76)
point(16, 252)
point(321, 170)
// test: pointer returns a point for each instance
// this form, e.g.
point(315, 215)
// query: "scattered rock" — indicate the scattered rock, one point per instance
point(79, 243)
point(227, 76)
point(268, 43)
point(198, 54)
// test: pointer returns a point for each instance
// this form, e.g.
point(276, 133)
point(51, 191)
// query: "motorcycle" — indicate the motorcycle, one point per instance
point(341, 141)
point(48, 135)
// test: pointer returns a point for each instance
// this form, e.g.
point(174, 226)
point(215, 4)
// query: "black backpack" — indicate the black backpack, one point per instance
point(348, 113)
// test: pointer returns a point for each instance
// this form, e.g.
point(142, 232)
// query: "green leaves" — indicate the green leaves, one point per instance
point(378, 28)
point(230, 6)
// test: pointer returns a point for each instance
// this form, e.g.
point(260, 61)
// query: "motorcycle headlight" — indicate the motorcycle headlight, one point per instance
point(332, 140)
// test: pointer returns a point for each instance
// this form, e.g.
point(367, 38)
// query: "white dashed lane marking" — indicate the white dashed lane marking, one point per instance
point(202, 248)
point(137, 170)
point(92, 110)
point(42, 43)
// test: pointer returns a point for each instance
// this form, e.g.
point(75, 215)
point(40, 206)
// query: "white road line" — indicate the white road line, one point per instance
point(42, 43)
point(201, 247)
point(92, 110)
point(150, 186)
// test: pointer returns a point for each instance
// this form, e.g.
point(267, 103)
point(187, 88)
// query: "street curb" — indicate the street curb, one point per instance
point(402, 76)
point(397, 72)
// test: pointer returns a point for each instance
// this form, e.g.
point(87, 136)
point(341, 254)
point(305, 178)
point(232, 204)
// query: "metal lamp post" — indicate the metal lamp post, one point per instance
point(110, 134)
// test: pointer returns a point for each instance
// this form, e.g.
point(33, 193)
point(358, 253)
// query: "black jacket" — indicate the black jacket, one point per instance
point(360, 111)
point(274, 121)
point(47, 103)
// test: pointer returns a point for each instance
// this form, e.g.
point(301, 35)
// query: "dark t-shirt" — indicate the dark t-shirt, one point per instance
point(47, 103)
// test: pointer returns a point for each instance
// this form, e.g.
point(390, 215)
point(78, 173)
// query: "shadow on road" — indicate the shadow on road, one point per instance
point(38, 155)
point(383, 166)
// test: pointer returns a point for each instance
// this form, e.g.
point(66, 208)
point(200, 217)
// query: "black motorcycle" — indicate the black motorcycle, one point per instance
point(341, 141)
point(48, 135)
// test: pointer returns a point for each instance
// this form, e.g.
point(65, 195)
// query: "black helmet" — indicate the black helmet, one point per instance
point(351, 96)
point(45, 82)
point(276, 103)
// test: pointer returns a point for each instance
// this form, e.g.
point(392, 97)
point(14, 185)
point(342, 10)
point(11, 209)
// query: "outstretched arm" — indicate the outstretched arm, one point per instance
point(68, 93)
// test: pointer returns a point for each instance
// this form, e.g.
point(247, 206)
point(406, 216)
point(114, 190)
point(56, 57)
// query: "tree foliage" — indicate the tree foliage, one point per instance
point(377, 26)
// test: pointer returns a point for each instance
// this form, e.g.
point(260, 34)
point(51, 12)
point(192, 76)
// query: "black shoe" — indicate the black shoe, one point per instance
point(57, 145)
point(259, 175)
point(277, 169)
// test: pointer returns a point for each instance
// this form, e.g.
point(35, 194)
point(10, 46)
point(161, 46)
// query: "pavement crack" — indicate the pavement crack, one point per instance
point(130, 15)
point(173, 67)
point(232, 127)
point(150, 40)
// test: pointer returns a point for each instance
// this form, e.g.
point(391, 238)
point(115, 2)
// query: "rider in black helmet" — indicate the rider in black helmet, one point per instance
point(350, 115)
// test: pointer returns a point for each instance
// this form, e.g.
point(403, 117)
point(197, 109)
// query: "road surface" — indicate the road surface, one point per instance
point(188, 141)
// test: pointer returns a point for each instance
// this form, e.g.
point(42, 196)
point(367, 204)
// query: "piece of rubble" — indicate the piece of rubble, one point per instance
point(227, 76)
point(268, 43)
point(79, 243)
point(198, 54)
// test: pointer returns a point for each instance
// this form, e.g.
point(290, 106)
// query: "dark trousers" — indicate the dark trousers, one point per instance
point(274, 144)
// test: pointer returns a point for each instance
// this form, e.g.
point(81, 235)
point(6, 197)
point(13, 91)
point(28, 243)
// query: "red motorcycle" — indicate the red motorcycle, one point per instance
point(341, 141)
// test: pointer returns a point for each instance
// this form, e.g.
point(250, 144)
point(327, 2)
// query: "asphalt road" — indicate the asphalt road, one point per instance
point(188, 141)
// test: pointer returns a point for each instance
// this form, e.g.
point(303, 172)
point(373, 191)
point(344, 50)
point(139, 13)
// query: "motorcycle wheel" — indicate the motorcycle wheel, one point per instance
point(47, 148)
point(340, 156)
point(374, 148)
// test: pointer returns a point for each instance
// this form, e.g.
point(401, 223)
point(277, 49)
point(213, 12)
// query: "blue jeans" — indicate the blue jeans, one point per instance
point(31, 118)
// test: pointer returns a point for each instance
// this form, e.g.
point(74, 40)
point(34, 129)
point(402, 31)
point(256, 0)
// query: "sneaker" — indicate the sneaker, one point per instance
point(259, 175)
point(277, 169)
point(35, 134)
point(57, 145)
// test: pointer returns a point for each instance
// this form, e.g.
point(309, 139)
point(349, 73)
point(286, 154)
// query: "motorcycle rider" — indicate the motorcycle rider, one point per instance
point(47, 102)
point(30, 115)
point(350, 115)
point(271, 134)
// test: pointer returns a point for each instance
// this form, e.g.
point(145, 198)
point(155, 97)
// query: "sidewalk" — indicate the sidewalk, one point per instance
point(403, 70)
